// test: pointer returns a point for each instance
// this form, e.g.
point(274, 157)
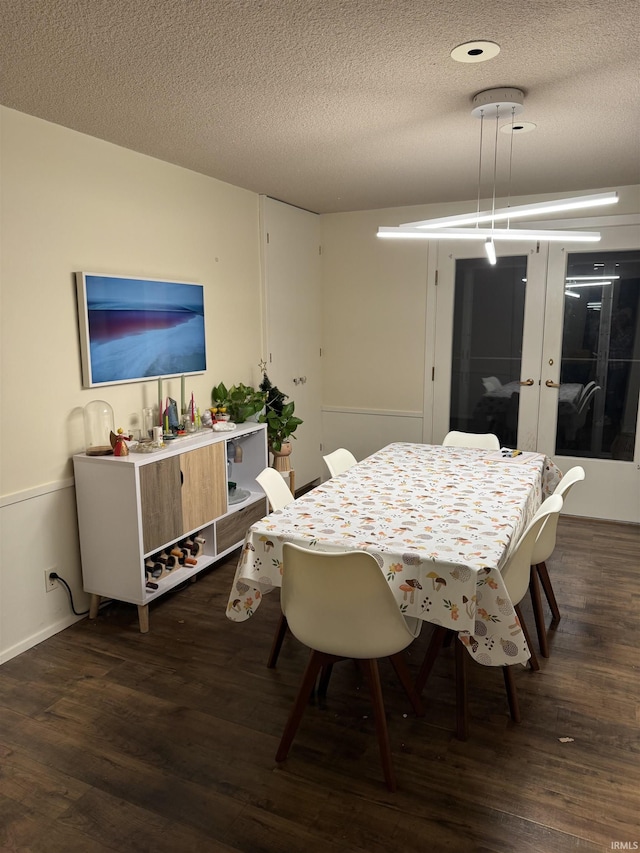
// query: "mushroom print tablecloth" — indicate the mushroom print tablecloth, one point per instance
point(440, 522)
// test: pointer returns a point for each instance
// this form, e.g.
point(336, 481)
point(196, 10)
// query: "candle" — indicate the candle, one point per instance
point(182, 396)
point(160, 402)
point(193, 409)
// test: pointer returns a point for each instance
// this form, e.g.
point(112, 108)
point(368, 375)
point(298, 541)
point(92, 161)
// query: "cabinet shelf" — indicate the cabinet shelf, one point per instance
point(132, 509)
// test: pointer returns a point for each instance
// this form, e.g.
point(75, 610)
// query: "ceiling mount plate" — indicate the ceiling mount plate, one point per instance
point(518, 127)
point(505, 101)
point(475, 51)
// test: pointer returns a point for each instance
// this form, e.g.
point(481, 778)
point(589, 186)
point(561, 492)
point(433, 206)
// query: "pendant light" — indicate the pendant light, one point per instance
point(500, 103)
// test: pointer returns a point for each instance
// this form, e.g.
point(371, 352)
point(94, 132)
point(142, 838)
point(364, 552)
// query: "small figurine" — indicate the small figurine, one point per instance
point(119, 443)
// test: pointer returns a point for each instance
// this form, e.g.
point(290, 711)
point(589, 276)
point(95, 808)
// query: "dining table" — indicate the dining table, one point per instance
point(440, 522)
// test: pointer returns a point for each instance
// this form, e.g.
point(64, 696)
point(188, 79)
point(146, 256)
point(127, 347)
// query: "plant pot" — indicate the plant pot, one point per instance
point(281, 461)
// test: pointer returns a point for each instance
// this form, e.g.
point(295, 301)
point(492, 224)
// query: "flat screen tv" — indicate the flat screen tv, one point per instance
point(134, 329)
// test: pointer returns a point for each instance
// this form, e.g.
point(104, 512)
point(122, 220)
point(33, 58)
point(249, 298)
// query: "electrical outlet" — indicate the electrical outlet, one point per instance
point(49, 583)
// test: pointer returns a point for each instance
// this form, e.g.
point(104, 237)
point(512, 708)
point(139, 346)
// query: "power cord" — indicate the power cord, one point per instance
point(54, 576)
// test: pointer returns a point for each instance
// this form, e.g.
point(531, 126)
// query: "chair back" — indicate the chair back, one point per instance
point(546, 541)
point(341, 604)
point(517, 570)
point(481, 441)
point(587, 388)
point(586, 400)
point(340, 460)
point(275, 488)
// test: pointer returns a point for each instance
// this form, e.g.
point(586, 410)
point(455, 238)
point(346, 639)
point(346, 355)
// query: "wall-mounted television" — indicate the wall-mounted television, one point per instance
point(134, 329)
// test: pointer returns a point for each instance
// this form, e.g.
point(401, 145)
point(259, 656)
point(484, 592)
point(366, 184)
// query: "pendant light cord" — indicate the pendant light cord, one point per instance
point(480, 167)
point(513, 113)
point(495, 171)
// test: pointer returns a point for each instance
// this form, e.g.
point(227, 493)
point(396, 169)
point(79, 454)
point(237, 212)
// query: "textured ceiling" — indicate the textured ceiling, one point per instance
point(335, 105)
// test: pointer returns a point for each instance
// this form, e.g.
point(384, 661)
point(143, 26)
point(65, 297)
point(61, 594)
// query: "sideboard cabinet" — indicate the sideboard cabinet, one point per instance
point(150, 521)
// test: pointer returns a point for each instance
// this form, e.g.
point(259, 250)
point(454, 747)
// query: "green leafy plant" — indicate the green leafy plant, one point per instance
point(241, 401)
point(278, 415)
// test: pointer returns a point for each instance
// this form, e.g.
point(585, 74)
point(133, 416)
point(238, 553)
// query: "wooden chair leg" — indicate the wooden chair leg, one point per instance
point(462, 702)
point(437, 639)
point(538, 612)
point(402, 671)
point(316, 661)
point(533, 660)
point(548, 591)
point(371, 668)
point(512, 696)
point(323, 684)
point(280, 634)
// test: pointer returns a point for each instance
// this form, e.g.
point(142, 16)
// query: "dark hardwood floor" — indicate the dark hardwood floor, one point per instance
point(111, 740)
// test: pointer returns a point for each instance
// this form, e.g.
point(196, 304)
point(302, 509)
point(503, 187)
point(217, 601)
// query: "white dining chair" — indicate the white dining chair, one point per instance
point(515, 573)
point(543, 549)
point(340, 460)
point(481, 441)
point(275, 488)
point(279, 496)
point(341, 606)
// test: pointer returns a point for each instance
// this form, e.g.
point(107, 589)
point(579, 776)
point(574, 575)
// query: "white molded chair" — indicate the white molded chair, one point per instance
point(279, 496)
point(543, 549)
point(516, 573)
point(340, 460)
point(341, 606)
point(481, 441)
point(583, 406)
point(275, 488)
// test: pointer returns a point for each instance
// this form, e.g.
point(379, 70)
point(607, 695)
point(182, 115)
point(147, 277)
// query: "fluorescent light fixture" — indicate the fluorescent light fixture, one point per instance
point(575, 284)
point(405, 233)
point(571, 293)
point(594, 278)
point(517, 211)
point(490, 249)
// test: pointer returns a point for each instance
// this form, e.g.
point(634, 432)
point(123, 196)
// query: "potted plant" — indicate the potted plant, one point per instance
point(240, 401)
point(281, 423)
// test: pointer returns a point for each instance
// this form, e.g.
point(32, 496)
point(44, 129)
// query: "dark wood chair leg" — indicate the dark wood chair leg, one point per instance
point(325, 677)
point(280, 634)
point(548, 591)
point(315, 664)
point(462, 703)
point(538, 612)
point(402, 671)
point(437, 639)
point(512, 696)
point(373, 676)
point(533, 660)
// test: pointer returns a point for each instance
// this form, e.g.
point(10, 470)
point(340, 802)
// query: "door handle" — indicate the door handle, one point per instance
point(551, 384)
point(526, 382)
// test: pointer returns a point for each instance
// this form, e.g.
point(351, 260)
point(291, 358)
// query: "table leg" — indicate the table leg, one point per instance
point(462, 706)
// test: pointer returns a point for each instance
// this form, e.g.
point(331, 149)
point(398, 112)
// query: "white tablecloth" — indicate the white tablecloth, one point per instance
point(440, 521)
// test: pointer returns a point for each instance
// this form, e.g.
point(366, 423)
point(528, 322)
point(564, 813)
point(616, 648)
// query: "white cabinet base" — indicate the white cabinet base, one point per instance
point(112, 508)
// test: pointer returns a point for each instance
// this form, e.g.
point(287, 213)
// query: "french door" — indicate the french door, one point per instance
point(544, 350)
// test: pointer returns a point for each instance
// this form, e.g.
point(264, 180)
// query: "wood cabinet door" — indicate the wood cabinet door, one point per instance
point(160, 497)
point(204, 485)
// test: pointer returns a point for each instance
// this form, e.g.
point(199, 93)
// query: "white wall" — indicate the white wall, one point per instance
point(71, 202)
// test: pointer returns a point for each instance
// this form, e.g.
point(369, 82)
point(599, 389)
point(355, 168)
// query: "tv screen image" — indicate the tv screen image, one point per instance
point(134, 329)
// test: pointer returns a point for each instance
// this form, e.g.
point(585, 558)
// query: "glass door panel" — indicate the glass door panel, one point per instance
point(600, 356)
point(488, 322)
point(592, 343)
point(487, 338)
